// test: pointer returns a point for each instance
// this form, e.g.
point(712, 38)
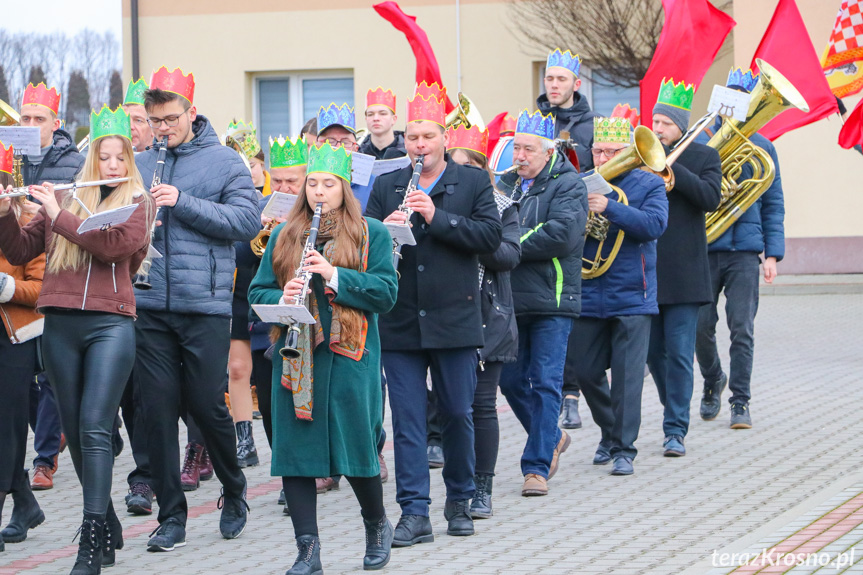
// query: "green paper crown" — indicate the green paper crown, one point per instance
point(246, 137)
point(288, 153)
point(676, 95)
point(135, 92)
point(108, 123)
point(611, 131)
point(329, 160)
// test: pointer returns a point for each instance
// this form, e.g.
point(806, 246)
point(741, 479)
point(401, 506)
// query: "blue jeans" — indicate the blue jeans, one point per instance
point(670, 358)
point(532, 386)
point(737, 274)
point(45, 421)
point(453, 373)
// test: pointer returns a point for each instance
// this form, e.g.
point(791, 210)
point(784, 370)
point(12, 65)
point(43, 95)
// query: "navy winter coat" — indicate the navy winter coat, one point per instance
point(59, 166)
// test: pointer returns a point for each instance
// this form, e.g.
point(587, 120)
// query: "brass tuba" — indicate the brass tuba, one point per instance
point(771, 96)
point(465, 114)
point(646, 150)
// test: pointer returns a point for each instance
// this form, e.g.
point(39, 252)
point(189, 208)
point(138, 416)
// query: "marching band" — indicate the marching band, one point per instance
point(586, 255)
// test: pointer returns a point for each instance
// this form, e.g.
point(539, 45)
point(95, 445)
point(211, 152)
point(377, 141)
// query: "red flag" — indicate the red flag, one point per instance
point(494, 131)
point(852, 132)
point(427, 68)
point(787, 47)
point(691, 36)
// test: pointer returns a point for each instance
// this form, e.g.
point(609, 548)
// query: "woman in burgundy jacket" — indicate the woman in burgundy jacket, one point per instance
point(89, 306)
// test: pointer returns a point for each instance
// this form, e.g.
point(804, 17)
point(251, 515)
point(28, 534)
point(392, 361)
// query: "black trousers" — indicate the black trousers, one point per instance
point(619, 343)
point(485, 423)
point(133, 419)
point(88, 358)
point(18, 362)
point(182, 360)
point(262, 379)
point(301, 497)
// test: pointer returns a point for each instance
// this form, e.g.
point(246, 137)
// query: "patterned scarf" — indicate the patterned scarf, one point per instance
point(298, 374)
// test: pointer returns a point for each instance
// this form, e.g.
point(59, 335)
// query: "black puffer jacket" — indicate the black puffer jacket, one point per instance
point(578, 121)
point(394, 150)
point(59, 166)
point(553, 216)
point(498, 316)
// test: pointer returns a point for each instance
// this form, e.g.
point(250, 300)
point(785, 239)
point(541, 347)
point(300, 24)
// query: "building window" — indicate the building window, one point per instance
point(285, 102)
point(601, 97)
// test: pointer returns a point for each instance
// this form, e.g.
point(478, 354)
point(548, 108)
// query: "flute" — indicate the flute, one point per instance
point(25, 190)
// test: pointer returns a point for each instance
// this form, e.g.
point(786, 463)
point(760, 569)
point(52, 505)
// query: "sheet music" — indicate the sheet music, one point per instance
point(109, 218)
point(361, 168)
point(382, 167)
point(402, 234)
point(280, 205)
point(283, 314)
point(596, 184)
point(729, 102)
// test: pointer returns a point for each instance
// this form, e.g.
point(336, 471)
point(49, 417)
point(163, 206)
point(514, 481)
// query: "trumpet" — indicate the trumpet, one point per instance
point(24, 190)
point(292, 339)
point(142, 278)
point(259, 244)
point(403, 207)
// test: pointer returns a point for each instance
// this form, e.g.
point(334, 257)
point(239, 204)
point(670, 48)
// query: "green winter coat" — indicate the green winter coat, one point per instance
point(346, 421)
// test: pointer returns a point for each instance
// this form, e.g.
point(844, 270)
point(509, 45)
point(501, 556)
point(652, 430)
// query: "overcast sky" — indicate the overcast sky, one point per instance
point(68, 16)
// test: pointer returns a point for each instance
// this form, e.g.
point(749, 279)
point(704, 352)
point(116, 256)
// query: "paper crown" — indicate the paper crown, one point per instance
point(328, 160)
point(110, 123)
point(508, 125)
point(42, 96)
point(611, 130)
point(746, 81)
point(175, 82)
point(7, 158)
point(381, 97)
point(285, 153)
point(535, 124)
point(334, 115)
point(428, 104)
point(676, 95)
point(624, 111)
point(246, 137)
point(558, 59)
point(468, 139)
point(433, 90)
point(135, 92)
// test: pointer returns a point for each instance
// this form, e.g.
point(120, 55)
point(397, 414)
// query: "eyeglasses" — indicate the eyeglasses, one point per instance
point(597, 152)
point(169, 121)
point(347, 142)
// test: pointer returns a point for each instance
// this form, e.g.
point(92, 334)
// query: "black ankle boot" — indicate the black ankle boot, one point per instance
point(480, 507)
point(457, 513)
point(112, 537)
point(379, 542)
point(247, 455)
point(89, 559)
point(26, 514)
point(308, 557)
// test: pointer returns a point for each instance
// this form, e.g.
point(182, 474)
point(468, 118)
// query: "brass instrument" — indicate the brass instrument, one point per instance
point(84, 144)
point(9, 117)
point(465, 114)
point(403, 207)
point(771, 96)
point(668, 174)
point(646, 150)
point(259, 244)
point(292, 339)
point(142, 278)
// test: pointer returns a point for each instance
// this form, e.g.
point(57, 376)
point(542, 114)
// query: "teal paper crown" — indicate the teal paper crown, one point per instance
point(611, 130)
point(110, 123)
point(566, 60)
point(135, 92)
point(746, 81)
point(328, 160)
point(334, 115)
point(288, 153)
point(535, 124)
point(676, 95)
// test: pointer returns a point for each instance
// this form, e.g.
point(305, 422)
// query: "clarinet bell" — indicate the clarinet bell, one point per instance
point(290, 350)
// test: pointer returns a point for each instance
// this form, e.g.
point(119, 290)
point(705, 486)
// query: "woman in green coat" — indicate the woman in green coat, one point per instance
point(327, 402)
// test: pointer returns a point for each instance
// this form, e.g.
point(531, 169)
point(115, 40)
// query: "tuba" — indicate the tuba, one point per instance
point(646, 150)
point(465, 114)
point(771, 96)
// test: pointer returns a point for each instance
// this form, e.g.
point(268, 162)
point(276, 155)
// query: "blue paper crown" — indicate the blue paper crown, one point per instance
point(336, 115)
point(535, 124)
point(564, 60)
point(737, 78)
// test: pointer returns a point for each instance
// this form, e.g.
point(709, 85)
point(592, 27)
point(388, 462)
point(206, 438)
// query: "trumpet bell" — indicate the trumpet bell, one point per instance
point(8, 116)
point(465, 114)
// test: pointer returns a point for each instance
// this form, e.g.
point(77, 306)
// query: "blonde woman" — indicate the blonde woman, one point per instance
point(89, 306)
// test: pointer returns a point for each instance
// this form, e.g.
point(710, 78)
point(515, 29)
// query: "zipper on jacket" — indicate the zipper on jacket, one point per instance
point(166, 224)
point(14, 338)
point(87, 283)
point(114, 276)
point(212, 272)
point(644, 274)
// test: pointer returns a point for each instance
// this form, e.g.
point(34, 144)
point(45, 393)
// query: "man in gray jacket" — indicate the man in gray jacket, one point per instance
point(206, 203)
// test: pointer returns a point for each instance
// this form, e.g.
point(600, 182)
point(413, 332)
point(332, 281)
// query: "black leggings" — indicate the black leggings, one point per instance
point(18, 362)
point(88, 357)
point(485, 424)
point(302, 499)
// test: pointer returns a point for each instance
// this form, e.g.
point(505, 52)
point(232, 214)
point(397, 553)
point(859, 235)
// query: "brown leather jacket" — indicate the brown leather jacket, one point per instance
point(104, 283)
point(18, 307)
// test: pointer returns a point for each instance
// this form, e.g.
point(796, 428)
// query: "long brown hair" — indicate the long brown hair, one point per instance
point(348, 236)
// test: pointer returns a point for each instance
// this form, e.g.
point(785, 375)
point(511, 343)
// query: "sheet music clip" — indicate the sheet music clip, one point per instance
point(77, 199)
point(402, 234)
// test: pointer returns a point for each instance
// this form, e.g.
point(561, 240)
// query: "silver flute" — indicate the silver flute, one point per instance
point(25, 190)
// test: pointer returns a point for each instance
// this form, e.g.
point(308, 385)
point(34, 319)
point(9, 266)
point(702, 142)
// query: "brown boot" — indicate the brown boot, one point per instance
point(534, 485)
point(43, 478)
point(564, 442)
point(324, 484)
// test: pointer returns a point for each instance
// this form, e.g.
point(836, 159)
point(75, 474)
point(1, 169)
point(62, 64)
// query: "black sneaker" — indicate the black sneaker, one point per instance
point(711, 399)
point(139, 501)
point(234, 515)
point(413, 529)
point(740, 418)
point(168, 536)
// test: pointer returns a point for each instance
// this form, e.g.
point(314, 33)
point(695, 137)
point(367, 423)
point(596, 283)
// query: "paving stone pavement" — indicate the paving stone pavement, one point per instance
point(735, 490)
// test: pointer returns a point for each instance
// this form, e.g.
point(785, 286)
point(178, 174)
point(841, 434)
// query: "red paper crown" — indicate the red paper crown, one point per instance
point(507, 127)
point(42, 96)
point(426, 109)
point(7, 158)
point(434, 90)
point(624, 111)
point(379, 97)
point(469, 139)
point(174, 81)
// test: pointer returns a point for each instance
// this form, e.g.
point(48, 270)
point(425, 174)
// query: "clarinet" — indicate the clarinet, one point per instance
point(142, 278)
point(412, 187)
point(290, 350)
